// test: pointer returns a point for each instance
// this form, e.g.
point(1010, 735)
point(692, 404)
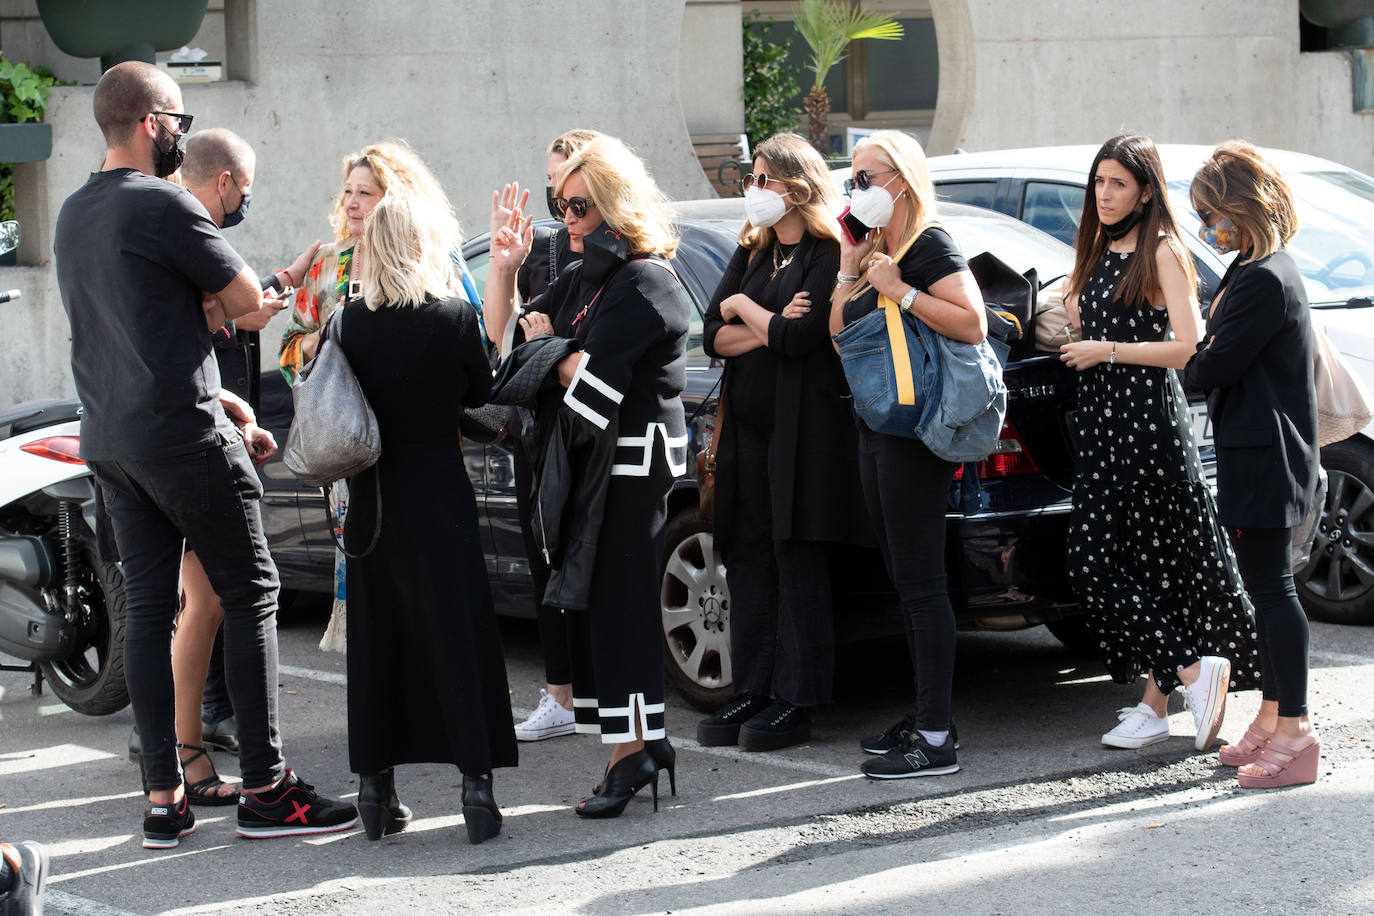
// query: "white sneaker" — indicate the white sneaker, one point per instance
point(1206, 697)
point(1139, 727)
point(549, 720)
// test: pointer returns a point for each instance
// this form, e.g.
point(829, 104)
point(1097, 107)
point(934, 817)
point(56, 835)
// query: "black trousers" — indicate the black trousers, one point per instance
point(210, 500)
point(553, 627)
point(1265, 558)
point(617, 642)
point(782, 622)
point(906, 488)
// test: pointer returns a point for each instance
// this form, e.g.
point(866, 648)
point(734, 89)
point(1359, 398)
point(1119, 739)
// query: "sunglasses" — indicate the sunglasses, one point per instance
point(578, 206)
point(760, 180)
point(183, 120)
point(863, 180)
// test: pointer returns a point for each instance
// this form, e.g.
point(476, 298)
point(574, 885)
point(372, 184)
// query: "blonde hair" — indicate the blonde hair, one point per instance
point(800, 169)
point(622, 189)
point(408, 259)
point(900, 151)
point(1237, 182)
point(567, 145)
point(397, 169)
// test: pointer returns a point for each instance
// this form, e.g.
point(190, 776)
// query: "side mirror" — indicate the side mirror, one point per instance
point(9, 235)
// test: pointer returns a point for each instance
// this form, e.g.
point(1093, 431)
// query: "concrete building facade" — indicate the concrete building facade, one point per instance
point(479, 87)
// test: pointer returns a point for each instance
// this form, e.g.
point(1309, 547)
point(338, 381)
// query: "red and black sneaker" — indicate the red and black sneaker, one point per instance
point(293, 807)
point(165, 825)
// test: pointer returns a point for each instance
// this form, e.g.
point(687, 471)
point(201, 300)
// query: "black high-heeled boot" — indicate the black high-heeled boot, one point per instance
point(622, 781)
point(664, 754)
point(479, 809)
point(381, 811)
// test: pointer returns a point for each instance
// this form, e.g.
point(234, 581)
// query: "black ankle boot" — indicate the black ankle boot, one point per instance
point(622, 781)
point(479, 809)
point(381, 811)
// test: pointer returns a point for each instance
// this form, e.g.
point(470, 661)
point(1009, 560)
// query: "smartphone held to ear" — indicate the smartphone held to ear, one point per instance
point(853, 229)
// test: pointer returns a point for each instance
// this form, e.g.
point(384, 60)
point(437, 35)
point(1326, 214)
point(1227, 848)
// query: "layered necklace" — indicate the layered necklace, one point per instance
point(778, 266)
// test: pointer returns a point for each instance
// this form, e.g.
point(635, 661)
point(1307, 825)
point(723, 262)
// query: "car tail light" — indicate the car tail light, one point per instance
point(1009, 458)
point(66, 449)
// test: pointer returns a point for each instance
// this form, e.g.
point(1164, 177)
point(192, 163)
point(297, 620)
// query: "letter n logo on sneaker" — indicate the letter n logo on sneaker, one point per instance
point(915, 757)
point(299, 813)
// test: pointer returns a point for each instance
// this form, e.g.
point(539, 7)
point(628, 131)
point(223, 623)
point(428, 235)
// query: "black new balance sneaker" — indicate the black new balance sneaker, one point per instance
point(290, 809)
point(165, 825)
point(913, 757)
point(881, 744)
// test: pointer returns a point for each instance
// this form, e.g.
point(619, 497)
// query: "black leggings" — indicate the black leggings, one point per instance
point(906, 488)
point(1265, 557)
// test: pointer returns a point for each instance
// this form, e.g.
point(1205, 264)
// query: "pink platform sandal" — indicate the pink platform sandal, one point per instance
point(1246, 750)
point(1283, 766)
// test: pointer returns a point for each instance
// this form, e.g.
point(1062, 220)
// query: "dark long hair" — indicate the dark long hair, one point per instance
point(1139, 157)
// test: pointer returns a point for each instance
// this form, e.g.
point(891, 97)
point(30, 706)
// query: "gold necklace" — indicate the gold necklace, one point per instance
point(787, 260)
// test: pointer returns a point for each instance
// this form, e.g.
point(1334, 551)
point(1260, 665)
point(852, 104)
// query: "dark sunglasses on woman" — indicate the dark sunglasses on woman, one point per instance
point(578, 206)
point(761, 180)
point(862, 180)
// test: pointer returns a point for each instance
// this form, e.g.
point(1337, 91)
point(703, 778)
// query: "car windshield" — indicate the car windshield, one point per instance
point(1334, 247)
point(1020, 245)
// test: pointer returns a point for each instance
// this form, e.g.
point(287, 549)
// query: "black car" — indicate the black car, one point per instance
point(1005, 558)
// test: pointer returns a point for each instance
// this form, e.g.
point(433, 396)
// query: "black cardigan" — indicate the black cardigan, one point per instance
point(813, 464)
point(1256, 366)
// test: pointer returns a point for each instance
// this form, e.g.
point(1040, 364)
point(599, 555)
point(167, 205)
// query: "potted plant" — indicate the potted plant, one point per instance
point(827, 27)
point(23, 99)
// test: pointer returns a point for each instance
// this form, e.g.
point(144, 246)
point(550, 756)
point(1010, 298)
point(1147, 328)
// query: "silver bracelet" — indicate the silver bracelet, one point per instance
point(846, 278)
point(1112, 361)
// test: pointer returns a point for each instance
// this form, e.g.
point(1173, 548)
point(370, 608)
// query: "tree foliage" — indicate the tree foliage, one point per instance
point(770, 85)
point(828, 26)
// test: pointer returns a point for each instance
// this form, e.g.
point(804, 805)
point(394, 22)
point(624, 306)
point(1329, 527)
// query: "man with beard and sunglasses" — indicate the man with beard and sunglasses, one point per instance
point(134, 254)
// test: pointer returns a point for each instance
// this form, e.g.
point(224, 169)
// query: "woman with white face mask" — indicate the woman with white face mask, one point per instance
point(786, 479)
point(891, 247)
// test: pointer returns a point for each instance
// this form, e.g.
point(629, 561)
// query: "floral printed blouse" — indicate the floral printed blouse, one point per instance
point(325, 286)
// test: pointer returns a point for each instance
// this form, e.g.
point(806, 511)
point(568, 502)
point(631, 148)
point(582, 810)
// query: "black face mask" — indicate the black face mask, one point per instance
point(548, 198)
point(167, 161)
point(1124, 225)
point(603, 250)
point(235, 217)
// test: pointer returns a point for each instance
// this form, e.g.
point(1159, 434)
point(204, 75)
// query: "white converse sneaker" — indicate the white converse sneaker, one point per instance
point(1139, 727)
point(549, 720)
point(1206, 697)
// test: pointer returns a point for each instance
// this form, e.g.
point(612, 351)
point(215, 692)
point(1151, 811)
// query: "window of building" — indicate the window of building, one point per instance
point(879, 83)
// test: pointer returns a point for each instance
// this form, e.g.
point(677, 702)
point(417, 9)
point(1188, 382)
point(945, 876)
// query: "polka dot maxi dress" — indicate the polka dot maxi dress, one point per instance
point(1152, 566)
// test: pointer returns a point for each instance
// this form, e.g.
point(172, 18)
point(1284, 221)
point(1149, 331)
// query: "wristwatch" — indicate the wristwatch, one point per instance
point(909, 298)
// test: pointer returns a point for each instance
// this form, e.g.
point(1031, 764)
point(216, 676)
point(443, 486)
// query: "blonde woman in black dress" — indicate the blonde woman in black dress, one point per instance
point(1146, 553)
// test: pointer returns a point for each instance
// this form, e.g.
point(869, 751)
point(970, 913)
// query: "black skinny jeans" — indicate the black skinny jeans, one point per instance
point(782, 623)
point(210, 500)
point(1265, 558)
point(906, 488)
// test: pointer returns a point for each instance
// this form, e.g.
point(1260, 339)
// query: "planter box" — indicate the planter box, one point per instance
point(25, 142)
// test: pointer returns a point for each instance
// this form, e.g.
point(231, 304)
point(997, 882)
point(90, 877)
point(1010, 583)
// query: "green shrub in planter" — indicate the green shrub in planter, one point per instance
point(23, 99)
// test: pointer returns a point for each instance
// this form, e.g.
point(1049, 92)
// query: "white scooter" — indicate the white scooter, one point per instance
point(61, 607)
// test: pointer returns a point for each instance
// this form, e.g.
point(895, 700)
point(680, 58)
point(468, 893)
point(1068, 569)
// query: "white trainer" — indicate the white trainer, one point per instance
point(549, 720)
point(1139, 727)
point(1206, 697)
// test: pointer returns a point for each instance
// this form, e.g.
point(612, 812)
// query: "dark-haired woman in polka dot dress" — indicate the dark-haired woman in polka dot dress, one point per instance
point(1148, 559)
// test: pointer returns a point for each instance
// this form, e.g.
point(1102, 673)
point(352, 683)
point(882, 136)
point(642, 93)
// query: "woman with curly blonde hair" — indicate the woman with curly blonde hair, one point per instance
point(786, 450)
point(627, 313)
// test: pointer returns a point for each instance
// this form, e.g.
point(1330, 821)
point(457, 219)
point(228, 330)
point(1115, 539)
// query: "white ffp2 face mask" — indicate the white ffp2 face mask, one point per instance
point(763, 207)
point(872, 206)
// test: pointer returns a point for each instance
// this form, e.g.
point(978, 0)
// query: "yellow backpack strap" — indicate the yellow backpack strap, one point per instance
point(902, 366)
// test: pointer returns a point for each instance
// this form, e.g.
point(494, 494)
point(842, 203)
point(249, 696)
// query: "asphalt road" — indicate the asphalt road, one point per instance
point(1040, 819)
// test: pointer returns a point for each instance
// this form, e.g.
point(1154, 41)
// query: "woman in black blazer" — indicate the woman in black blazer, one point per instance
point(1256, 366)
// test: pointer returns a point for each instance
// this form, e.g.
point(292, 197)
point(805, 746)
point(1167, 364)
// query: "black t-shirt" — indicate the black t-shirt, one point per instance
point(931, 258)
point(133, 254)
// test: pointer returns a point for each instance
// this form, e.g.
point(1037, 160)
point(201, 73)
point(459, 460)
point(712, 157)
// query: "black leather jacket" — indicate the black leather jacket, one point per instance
point(571, 463)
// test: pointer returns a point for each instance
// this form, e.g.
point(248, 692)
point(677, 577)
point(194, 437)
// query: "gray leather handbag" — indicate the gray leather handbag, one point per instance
point(334, 434)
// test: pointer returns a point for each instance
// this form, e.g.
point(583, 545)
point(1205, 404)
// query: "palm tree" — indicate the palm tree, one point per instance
point(828, 26)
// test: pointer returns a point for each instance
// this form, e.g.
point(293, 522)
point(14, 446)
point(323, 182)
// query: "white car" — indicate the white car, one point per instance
point(1334, 250)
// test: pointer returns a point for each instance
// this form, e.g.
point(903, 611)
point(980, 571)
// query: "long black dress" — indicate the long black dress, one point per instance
point(426, 674)
point(1146, 553)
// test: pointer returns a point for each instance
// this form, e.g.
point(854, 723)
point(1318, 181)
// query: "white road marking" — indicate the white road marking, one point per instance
point(49, 758)
point(792, 787)
point(310, 674)
point(61, 902)
point(72, 803)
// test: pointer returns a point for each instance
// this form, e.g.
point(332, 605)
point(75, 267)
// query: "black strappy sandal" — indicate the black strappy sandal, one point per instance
point(204, 792)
